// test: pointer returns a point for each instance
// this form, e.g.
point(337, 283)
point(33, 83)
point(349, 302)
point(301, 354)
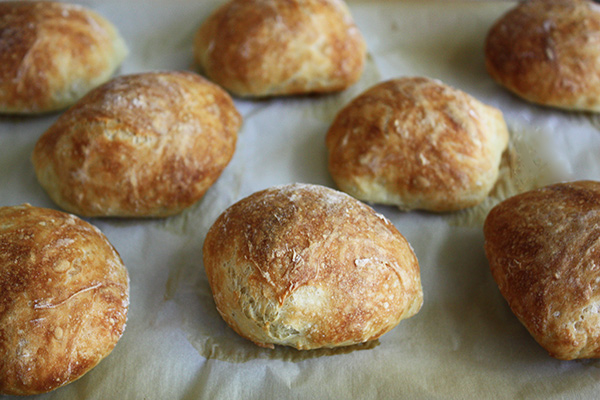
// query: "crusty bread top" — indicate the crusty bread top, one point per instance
point(64, 295)
point(142, 145)
point(417, 143)
point(547, 52)
point(544, 252)
point(272, 47)
point(309, 267)
point(52, 53)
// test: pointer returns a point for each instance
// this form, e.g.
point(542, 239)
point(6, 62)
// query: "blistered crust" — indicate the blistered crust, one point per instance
point(52, 53)
point(547, 52)
point(270, 47)
point(144, 145)
point(310, 267)
point(64, 295)
point(543, 247)
point(417, 143)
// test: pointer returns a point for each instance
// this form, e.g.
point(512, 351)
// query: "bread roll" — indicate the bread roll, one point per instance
point(144, 145)
point(64, 295)
point(309, 267)
point(544, 251)
point(417, 143)
point(52, 53)
point(546, 51)
point(270, 47)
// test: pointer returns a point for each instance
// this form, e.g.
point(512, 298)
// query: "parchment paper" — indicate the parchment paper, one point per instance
point(464, 343)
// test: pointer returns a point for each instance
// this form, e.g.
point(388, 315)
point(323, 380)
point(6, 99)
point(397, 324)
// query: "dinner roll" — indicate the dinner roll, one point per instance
point(272, 47)
point(544, 251)
point(309, 267)
point(144, 145)
point(64, 294)
point(52, 53)
point(417, 143)
point(547, 52)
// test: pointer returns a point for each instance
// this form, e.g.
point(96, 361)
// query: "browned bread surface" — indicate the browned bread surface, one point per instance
point(64, 295)
point(543, 247)
point(144, 145)
point(417, 143)
point(52, 53)
point(547, 52)
point(310, 267)
point(270, 47)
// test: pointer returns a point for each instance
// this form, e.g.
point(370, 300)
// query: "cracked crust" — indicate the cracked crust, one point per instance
point(309, 267)
point(546, 51)
point(417, 143)
point(271, 47)
point(143, 145)
point(52, 53)
point(543, 247)
point(64, 295)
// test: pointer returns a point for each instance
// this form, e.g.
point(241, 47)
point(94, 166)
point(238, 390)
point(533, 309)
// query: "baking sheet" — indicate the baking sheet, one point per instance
point(464, 343)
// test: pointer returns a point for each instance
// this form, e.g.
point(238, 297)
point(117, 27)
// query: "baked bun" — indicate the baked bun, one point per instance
point(64, 294)
point(145, 145)
point(271, 47)
point(309, 267)
point(418, 144)
point(546, 51)
point(544, 253)
point(51, 54)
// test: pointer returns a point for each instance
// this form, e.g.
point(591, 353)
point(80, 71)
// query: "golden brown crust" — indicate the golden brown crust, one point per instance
point(271, 47)
point(144, 145)
point(64, 295)
point(51, 54)
point(309, 267)
point(546, 51)
point(544, 251)
point(418, 144)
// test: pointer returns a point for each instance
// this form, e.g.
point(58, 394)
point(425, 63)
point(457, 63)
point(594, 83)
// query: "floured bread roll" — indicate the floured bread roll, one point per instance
point(309, 267)
point(547, 52)
point(64, 295)
point(544, 251)
point(51, 54)
point(418, 144)
point(272, 47)
point(144, 145)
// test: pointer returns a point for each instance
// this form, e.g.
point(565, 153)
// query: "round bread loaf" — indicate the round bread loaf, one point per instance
point(310, 267)
point(543, 247)
point(271, 47)
point(51, 54)
point(546, 51)
point(418, 144)
point(64, 295)
point(145, 145)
